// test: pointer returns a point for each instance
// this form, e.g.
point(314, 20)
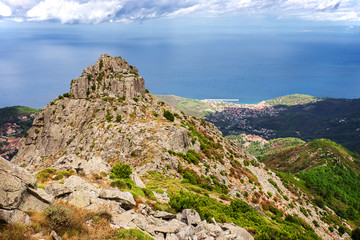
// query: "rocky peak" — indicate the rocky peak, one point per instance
point(108, 77)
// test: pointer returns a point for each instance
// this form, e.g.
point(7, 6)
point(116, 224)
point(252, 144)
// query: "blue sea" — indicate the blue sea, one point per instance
point(199, 60)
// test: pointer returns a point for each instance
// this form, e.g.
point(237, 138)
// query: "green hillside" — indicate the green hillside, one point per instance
point(10, 114)
point(326, 170)
point(295, 99)
point(192, 107)
point(273, 146)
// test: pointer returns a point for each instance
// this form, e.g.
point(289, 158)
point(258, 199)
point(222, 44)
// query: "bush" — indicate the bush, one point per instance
point(120, 170)
point(108, 118)
point(341, 230)
point(118, 118)
point(169, 116)
point(63, 219)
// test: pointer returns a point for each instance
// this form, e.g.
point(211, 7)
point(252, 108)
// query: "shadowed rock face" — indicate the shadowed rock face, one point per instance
point(109, 77)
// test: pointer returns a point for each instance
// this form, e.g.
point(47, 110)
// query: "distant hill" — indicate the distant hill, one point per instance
point(192, 107)
point(10, 114)
point(291, 100)
point(319, 152)
point(273, 146)
point(326, 170)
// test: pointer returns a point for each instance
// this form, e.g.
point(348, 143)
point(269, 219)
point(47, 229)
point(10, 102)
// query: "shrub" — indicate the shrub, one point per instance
point(63, 219)
point(118, 118)
point(44, 174)
point(316, 224)
point(121, 184)
point(120, 170)
point(169, 116)
point(136, 99)
point(149, 194)
point(108, 118)
point(37, 131)
point(66, 95)
point(341, 230)
point(155, 114)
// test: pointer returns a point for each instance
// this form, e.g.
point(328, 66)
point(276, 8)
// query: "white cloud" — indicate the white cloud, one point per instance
point(96, 11)
point(5, 10)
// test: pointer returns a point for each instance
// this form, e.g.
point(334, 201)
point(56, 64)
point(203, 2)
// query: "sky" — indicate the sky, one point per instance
point(97, 11)
point(314, 44)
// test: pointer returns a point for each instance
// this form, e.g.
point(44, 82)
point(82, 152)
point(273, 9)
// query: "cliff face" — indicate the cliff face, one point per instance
point(108, 117)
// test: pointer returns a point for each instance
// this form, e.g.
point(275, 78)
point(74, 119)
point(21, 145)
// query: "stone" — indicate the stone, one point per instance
point(190, 217)
point(171, 236)
point(186, 232)
point(42, 195)
point(164, 215)
point(80, 198)
point(54, 236)
point(76, 183)
point(58, 190)
point(14, 183)
point(137, 180)
point(14, 216)
point(240, 233)
point(125, 198)
point(123, 219)
point(32, 203)
point(172, 226)
point(163, 198)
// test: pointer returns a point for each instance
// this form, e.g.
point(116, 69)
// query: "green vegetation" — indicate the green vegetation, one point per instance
point(272, 147)
point(192, 107)
point(294, 99)
point(243, 215)
point(169, 116)
point(132, 234)
point(120, 170)
point(63, 219)
point(325, 170)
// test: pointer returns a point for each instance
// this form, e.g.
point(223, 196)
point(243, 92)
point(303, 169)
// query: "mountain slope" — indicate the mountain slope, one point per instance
point(109, 119)
point(326, 170)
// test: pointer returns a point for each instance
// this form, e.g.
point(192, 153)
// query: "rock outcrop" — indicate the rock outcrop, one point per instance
point(109, 77)
point(19, 193)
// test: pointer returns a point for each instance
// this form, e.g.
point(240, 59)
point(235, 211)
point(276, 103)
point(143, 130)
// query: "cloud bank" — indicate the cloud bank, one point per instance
point(97, 11)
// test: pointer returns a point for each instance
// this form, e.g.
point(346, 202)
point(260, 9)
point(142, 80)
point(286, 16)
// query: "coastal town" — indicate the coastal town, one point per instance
point(234, 120)
point(11, 133)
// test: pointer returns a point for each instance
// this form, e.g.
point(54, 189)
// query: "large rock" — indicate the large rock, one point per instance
point(239, 232)
point(18, 193)
point(190, 217)
point(14, 183)
point(172, 226)
point(14, 216)
point(125, 198)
